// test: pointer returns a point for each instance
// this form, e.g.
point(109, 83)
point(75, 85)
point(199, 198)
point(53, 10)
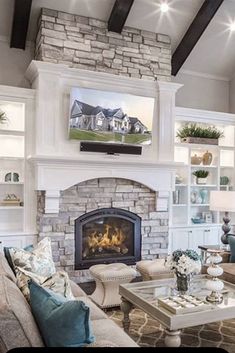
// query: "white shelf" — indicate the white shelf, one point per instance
point(12, 132)
point(11, 207)
point(179, 205)
point(181, 185)
point(204, 185)
point(11, 158)
point(12, 183)
point(199, 166)
point(196, 146)
point(199, 204)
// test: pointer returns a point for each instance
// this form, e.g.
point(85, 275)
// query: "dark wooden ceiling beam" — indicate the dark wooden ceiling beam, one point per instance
point(194, 32)
point(20, 24)
point(119, 15)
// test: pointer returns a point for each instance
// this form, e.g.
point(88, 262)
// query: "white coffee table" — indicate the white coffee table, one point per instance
point(144, 295)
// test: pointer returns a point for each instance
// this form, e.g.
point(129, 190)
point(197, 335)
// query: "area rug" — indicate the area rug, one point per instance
point(147, 332)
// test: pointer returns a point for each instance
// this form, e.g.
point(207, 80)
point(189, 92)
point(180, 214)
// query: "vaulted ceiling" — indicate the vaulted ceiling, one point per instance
point(214, 53)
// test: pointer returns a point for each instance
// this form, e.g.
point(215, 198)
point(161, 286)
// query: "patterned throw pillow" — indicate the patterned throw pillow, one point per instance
point(37, 264)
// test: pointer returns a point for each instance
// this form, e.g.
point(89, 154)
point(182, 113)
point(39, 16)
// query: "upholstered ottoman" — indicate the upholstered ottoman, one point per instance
point(153, 269)
point(108, 278)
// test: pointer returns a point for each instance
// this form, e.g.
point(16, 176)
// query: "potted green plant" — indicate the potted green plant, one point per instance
point(201, 176)
point(193, 133)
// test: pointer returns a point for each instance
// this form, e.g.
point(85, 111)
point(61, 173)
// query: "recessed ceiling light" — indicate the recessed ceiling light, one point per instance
point(232, 26)
point(164, 7)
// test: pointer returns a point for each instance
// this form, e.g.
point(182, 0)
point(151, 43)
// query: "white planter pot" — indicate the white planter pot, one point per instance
point(201, 180)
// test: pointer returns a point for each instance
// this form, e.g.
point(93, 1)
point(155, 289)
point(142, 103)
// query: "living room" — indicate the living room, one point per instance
point(117, 207)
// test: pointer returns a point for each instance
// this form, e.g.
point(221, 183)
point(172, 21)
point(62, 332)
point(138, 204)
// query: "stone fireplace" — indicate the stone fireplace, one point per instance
point(105, 209)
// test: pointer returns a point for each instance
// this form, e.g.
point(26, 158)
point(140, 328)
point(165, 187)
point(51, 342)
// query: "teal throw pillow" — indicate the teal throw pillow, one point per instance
point(231, 241)
point(62, 322)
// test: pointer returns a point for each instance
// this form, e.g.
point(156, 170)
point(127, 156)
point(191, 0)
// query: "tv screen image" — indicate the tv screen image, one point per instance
point(104, 116)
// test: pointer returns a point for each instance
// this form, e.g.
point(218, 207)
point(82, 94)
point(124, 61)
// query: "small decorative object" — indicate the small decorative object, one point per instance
point(178, 179)
point(207, 158)
point(194, 133)
point(16, 177)
point(197, 220)
point(214, 284)
point(3, 117)
point(224, 180)
point(207, 216)
point(176, 195)
point(184, 264)
point(204, 194)
point(182, 304)
point(223, 201)
point(195, 159)
point(193, 196)
point(12, 177)
point(10, 200)
point(201, 176)
point(8, 177)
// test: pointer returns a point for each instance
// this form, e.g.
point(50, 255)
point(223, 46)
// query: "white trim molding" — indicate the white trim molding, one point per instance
point(205, 75)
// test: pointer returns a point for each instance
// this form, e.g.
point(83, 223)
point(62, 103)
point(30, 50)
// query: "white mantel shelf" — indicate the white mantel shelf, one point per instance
point(60, 173)
point(107, 159)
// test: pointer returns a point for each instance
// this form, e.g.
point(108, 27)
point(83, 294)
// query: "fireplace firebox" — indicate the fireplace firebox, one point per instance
point(107, 235)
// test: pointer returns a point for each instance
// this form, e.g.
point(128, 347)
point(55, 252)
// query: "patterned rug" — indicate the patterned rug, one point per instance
point(149, 333)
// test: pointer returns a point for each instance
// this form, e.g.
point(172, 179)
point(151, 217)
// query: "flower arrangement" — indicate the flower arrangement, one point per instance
point(184, 263)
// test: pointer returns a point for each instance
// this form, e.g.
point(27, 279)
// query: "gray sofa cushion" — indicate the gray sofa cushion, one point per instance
point(5, 269)
point(107, 329)
point(17, 325)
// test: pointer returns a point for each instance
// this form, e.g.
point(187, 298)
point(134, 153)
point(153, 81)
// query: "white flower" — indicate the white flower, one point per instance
point(184, 266)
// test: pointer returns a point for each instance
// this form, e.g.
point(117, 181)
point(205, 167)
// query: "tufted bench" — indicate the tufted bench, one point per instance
point(108, 278)
point(153, 269)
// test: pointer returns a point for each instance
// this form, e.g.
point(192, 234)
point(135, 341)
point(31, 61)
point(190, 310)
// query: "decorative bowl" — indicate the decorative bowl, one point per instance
point(198, 220)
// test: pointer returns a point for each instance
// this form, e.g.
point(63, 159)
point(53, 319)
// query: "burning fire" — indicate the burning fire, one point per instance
point(111, 239)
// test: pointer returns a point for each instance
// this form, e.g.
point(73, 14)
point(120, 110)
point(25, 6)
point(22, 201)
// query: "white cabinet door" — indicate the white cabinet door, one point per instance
point(179, 239)
point(211, 236)
point(196, 238)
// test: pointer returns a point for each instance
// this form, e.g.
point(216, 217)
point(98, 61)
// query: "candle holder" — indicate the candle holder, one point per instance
point(215, 284)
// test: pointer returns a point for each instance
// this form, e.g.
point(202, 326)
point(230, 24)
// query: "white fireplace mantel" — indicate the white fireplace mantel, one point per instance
point(56, 174)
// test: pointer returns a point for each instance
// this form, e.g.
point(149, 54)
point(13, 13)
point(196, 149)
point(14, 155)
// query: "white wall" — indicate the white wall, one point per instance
point(13, 64)
point(202, 92)
point(232, 95)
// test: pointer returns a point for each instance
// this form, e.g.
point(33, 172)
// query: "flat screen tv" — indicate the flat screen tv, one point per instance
point(104, 116)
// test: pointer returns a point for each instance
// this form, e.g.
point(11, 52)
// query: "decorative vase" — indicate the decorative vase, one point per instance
point(182, 283)
point(207, 158)
point(193, 197)
point(224, 180)
point(204, 194)
point(196, 159)
point(201, 181)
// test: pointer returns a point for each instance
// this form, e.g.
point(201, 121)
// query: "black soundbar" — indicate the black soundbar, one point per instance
point(110, 148)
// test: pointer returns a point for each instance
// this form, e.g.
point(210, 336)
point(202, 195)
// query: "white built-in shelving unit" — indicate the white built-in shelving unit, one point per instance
point(183, 232)
point(17, 222)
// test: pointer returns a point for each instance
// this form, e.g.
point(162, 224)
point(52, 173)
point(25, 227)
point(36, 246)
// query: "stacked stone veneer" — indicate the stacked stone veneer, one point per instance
point(85, 43)
point(101, 193)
